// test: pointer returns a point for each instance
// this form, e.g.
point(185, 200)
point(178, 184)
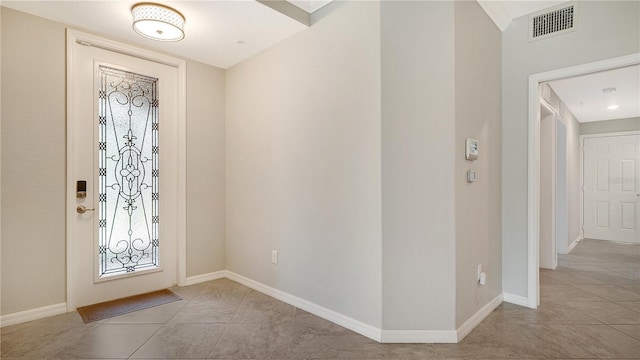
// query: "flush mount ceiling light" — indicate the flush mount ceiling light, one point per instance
point(158, 22)
point(613, 107)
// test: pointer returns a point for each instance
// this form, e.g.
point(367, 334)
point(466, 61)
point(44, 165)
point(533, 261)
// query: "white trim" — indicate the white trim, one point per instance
point(73, 37)
point(533, 195)
point(515, 299)
point(33, 314)
point(575, 242)
point(419, 336)
point(383, 336)
point(475, 320)
point(71, 149)
point(608, 134)
point(352, 324)
point(533, 181)
point(197, 279)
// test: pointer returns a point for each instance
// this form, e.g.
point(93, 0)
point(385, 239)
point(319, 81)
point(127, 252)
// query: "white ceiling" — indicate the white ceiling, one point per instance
point(504, 11)
point(220, 33)
point(213, 28)
point(583, 95)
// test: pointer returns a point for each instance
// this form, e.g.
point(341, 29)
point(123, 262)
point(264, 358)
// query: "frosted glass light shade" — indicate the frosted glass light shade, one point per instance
point(158, 22)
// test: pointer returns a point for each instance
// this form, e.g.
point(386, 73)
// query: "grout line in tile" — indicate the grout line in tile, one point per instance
point(224, 329)
point(144, 342)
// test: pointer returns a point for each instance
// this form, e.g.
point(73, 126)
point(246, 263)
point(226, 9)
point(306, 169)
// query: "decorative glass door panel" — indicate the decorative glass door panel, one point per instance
point(128, 173)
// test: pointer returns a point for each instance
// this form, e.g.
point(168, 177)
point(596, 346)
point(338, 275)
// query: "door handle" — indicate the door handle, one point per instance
point(81, 209)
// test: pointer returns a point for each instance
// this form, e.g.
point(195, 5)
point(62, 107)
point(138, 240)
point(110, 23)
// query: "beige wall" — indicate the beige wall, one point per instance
point(307, 147)
point(341, 141)
point(618, 125)
point(205, 168)
point(33, 164)
point(478, 204)
point(418, 151)
point(303, 163)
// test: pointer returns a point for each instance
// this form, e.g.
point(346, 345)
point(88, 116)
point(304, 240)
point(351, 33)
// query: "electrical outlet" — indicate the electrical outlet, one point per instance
point(483, 278)
point(274, 257)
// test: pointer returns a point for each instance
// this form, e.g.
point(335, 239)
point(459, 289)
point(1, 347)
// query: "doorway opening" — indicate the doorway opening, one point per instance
point(535, 187)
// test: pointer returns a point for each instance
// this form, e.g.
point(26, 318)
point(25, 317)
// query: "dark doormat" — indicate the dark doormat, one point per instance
point(129, 304)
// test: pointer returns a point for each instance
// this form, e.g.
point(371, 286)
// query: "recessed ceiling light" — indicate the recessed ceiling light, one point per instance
point(609, 90)
point(613, 107)
point(158, 22)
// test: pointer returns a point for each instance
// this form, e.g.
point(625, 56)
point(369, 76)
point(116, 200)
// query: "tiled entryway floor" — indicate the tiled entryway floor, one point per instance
point(590, 310)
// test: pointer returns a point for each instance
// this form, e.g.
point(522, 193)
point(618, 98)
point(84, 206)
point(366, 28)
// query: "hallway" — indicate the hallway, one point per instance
point(590, 309)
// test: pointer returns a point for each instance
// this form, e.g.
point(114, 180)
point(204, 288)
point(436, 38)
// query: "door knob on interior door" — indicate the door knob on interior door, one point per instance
point(81, 209)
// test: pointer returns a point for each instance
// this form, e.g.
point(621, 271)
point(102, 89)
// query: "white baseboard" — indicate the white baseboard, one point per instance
point(33, 314)
point(477, 318)
point(192, 280)
point(419, 336)
point(442, 336)
point(385, 336)
point(515, 299)
point(574, 243)
point(327, 314)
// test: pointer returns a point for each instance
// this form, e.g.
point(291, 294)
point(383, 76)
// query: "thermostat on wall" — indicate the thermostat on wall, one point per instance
point(471, 151)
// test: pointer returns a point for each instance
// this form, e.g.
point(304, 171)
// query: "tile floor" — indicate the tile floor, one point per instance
point(590, 310)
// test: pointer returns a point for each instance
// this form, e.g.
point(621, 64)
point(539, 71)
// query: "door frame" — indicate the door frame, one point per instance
point(533, 171)
point(77, 38)
point(554, 115)
point(588, 136)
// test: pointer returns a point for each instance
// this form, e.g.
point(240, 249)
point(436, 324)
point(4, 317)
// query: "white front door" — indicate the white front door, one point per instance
point(123, 144)
point(612, 187)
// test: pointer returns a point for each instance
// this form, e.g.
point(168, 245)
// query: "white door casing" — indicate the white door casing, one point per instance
point(611, 178)
point(532, 298)
point(83, 286)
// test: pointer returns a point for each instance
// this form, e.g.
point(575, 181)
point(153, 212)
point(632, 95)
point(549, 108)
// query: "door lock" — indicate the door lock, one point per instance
point(81, 209)
point(81, 189)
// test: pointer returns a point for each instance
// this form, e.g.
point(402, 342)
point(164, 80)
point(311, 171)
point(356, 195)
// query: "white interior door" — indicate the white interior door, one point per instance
point(123, 141)
point(612, 188)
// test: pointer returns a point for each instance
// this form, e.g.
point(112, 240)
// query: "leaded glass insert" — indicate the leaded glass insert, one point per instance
point(128, 196)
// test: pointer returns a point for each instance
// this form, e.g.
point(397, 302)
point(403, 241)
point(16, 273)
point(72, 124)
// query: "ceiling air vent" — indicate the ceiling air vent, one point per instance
point(555, 21)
